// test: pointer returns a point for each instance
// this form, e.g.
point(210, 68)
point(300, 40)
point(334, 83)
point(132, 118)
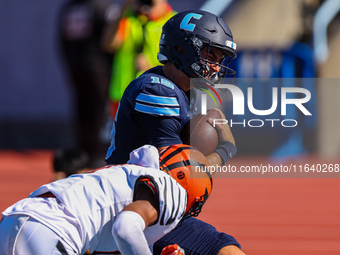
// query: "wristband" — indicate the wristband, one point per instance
point(226, 150)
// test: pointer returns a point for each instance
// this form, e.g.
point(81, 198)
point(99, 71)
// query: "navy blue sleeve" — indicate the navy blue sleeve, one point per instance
point(161, 131)
point(158, 100)
point(158, 111)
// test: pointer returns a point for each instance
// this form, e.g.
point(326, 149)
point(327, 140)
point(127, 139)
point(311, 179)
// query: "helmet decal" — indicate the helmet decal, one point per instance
point(230, 44)
point(185, 22)
point(180, 175)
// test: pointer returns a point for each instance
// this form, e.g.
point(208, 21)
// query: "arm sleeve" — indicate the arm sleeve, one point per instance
point(160, 131)
point(159, 115)
point(128, 232)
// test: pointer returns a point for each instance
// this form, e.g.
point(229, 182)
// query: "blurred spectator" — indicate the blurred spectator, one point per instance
point(81, 27)
point(134, 41)
point(67, 162)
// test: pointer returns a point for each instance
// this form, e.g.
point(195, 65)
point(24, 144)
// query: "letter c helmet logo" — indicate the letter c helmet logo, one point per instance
point(185, 22)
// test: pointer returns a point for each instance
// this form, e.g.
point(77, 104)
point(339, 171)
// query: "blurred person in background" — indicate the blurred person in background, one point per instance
point(134, 41)
point(89, 68)
point(66, 162)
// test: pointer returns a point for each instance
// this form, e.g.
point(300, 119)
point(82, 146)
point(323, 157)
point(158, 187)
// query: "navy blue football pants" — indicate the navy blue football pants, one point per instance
point(196, 238)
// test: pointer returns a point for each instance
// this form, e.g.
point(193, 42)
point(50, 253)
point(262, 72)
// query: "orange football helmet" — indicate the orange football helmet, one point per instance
point(186, 165)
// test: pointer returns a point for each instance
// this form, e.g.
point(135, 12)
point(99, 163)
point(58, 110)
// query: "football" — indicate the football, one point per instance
point(200, 134)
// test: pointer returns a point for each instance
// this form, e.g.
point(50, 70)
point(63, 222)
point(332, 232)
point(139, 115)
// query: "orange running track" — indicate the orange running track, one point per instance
point(276, 216)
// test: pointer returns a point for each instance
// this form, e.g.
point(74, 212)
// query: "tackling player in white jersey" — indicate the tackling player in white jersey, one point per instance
point(122, 208)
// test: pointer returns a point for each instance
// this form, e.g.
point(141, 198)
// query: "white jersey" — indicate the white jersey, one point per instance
point(86, 205)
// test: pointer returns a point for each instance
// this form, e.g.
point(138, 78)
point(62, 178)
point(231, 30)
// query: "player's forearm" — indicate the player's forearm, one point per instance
point(214, 159)
point(128, 231)
point(224, 151)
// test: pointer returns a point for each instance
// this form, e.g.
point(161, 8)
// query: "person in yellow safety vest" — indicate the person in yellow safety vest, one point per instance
point(134, 42)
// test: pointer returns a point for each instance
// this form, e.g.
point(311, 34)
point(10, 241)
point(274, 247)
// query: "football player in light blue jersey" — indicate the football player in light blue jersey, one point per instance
point(157, 105)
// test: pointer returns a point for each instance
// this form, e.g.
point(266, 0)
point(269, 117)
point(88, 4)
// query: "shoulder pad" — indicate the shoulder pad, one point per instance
point(158, 97)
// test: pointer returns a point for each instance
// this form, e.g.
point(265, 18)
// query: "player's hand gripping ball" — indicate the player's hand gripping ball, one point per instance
point(199, 133)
